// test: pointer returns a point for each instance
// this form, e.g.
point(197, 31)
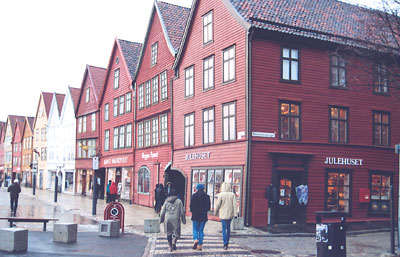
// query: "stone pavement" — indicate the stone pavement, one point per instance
point(247, 242)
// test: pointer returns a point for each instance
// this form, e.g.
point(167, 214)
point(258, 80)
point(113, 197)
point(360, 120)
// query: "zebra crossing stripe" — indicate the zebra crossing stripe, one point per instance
point(212, 245)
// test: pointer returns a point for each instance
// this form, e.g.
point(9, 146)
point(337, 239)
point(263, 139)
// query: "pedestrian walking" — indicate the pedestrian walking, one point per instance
point(108, 191)
point(226, 209)
point(159, 197)
point(113, 192)
point(14, 190)
point(172, 213)
point(199, 206)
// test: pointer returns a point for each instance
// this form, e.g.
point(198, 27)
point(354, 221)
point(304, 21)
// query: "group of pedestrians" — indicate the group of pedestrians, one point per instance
point(173, 214)
point(111, 192)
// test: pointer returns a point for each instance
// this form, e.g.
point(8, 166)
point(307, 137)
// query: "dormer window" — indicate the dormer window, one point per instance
point(116, 78)
point(87, 94)
point(154, 54)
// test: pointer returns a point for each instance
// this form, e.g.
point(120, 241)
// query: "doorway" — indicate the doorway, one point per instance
point(178, 182)
point(288, 209)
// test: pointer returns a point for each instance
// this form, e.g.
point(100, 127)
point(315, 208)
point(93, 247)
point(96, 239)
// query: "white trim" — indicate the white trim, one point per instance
point(170, 46)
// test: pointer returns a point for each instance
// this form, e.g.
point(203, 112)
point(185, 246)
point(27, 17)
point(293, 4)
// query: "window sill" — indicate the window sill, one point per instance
point(298, 82)
point(208, 43)
point(381, 93)
point(189, 96)
point(208, 89)
point(228, 82)
point(339, 87)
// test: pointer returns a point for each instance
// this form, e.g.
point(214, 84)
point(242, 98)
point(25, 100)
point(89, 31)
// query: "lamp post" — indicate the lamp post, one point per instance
point(95, 163)
point(34, 171)
point(58, 172)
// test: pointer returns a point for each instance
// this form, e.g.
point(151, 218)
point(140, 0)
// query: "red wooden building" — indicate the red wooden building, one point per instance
point(87, 130)
point(17, 150)
point(3, 126)
point(116, 115)
point(271, 98)
point(153, 102)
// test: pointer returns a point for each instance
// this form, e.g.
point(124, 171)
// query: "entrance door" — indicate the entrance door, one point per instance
point(288, 208)
point(178, 182)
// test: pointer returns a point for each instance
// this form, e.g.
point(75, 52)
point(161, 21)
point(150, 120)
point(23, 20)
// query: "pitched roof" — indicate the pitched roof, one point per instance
point(60, 101)
point(47, 98)
point(2, 128)
point(174, 18)
point(328, 20)
point(131, 52)
point(97, 75)
point(74, 95)
point(31, 120)
point(13, 121)
point(20, 124)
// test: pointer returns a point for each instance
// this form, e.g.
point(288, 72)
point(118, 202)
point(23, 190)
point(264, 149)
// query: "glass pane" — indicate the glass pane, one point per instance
point(334, 131)
point(343, 131)
point(285, 52)
point(377, 118)
point(284, 109)
point(231, 128)
point(236, 176)
point(218, 176)
point(334, 76)
point(210, 177)
point(385, 118)
point(295, 129)
point(226, 129)
point(202, 176)
point(295, 70)
point(386, 181)
point(343, 114)
point(334, 113)
point(294, 109)
point(228, 176)
point(342, 77)
point(295, 54)
point(385, 206)
point(285, 69)
point(285, 127)
point(195, 176)
point(334, 60)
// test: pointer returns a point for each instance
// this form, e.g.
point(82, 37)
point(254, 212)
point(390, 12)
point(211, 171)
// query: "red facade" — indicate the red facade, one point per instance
point(3, 126)
point(154, 157)
point(116, 116)
point(17, 150)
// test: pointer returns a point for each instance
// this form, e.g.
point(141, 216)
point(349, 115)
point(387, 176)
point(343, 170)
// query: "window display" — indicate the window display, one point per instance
point(338, 192)
point(380, 193)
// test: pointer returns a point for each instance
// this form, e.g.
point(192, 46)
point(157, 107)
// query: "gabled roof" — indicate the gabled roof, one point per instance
point(47, 98)
point(13, 121)
point(20, 125)
point(75, 96)
point(28, 124)
point(174, 18)
point(2, 129)
point(131, 52)
point(60, 101)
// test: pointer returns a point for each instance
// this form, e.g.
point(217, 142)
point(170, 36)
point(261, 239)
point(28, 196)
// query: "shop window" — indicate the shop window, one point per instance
point(144, 180)
point(381, 128)
point(289, 121)
point(338, 124)
point(285, 191)
point(290, 64)
point(212, 180)
point(380, 193)
point(338, 191)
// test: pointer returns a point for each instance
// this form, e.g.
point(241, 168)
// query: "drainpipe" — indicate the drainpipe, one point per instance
point(133, 88)
point(249, 37)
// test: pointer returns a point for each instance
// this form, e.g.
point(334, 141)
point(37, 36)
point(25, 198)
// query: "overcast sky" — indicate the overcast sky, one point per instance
point(46, 44)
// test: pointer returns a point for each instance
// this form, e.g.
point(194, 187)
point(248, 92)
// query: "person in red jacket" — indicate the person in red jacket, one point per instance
point(113, 192)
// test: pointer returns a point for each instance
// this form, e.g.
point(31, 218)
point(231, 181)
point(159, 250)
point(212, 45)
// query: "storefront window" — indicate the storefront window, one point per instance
point(380, 193)
point(338, 191)
point(126, 182)
point(212, 180)
point(144, 180)
point(285, 191)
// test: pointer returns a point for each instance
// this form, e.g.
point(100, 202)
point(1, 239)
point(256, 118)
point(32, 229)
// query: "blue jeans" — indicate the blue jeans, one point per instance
point(198, 230)
point(226, 230)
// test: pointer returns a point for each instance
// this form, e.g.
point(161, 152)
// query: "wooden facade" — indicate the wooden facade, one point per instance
point(27, 151)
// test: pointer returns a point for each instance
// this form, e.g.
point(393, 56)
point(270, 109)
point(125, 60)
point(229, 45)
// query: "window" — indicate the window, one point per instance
point(338, 191)
point(43, 130)
point(37, 132)
point(155, 131)
point(208, 73)
point(208, 126)
point(80, 125)
point(144, 181)
point(91, 148)
point(141, 97)
point(380, 193)
point(115, 138)
point(208, 27)
point(121, 104)
point(148, 94)
point(229, 64)
point(140, 135)
point(128, 141)
point(87, 94)
point(122, 137)
point(84, 124)
point(381, 125)
point(115, 110)
point(289, 121)
point(338, 125)
point(164, 128)
point(116, 78)
point(229, 121)
point(154, 54)
point(189, 81)
point(128, 102)
point(290, 64)
point(106, 112)
point(380, 79)
point(212, 179)
point(147, 135)
point(164, 85)
point(93, 121)
point(189, 129)
point(155, 89)
point(338, 71)
point(107, 140)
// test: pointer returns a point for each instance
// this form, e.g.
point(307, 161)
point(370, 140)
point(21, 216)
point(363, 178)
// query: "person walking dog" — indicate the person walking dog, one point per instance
point(14, 190)
point(172, 213)
point(226, 209)
point(199, 206)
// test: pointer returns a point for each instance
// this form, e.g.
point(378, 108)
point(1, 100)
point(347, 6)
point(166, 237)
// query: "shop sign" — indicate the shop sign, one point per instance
point(343, 161)
point(197, 156)
point(150, 155)
point(115, 160)
point(95, 163)
point(263, 134)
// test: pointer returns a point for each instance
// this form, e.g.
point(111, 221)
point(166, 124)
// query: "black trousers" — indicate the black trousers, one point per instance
point(14, 204)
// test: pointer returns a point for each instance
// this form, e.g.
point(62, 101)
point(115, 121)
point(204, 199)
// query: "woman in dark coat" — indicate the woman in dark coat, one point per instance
point(160, 197)
point(199, 206)
point(113, 192)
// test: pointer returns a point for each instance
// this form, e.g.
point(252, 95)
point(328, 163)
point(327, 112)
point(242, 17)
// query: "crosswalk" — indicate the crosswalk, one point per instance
point(212, 246)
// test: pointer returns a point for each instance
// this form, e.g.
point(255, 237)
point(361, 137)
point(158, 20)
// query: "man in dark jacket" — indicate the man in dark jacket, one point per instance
point(199, 206)
point(159, 197)
point(14, 190)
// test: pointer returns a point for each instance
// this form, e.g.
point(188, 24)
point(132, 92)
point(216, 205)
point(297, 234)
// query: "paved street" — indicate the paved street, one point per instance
point(247, 242)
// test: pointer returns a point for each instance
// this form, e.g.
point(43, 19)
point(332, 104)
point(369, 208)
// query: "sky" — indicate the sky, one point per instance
point(45, 45)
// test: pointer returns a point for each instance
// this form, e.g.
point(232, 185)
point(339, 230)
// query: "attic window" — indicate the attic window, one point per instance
point(117, 60)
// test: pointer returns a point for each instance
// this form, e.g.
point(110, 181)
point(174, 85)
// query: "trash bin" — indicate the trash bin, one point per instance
point(330, 237)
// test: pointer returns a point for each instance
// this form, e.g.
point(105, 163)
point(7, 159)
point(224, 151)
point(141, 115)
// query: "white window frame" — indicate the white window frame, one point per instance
point(93, 121)
point(141, 96)
point(128, 133)
point(189, 129)
point(164, 129)
point(148, 93)
point(189, 81)
point(116, 138)
point(208, 27)
point(229, 64)
point(140, 135)
point(154, 82)
point(229, 121)
point(107, 140)
point(164, 85)
point(107, 112)
point(115, 107)
point(209, 125)
point(154, 131)
point(147, 134)
point(116, 78)
point(121, 104)
point(208, 73)
point(128, 99)
point(121, 137)
point(87, 95)
point(154, 49)
point(84, 124)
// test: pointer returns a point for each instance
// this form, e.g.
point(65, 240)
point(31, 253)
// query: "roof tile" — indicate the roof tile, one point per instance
point(131, 52)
